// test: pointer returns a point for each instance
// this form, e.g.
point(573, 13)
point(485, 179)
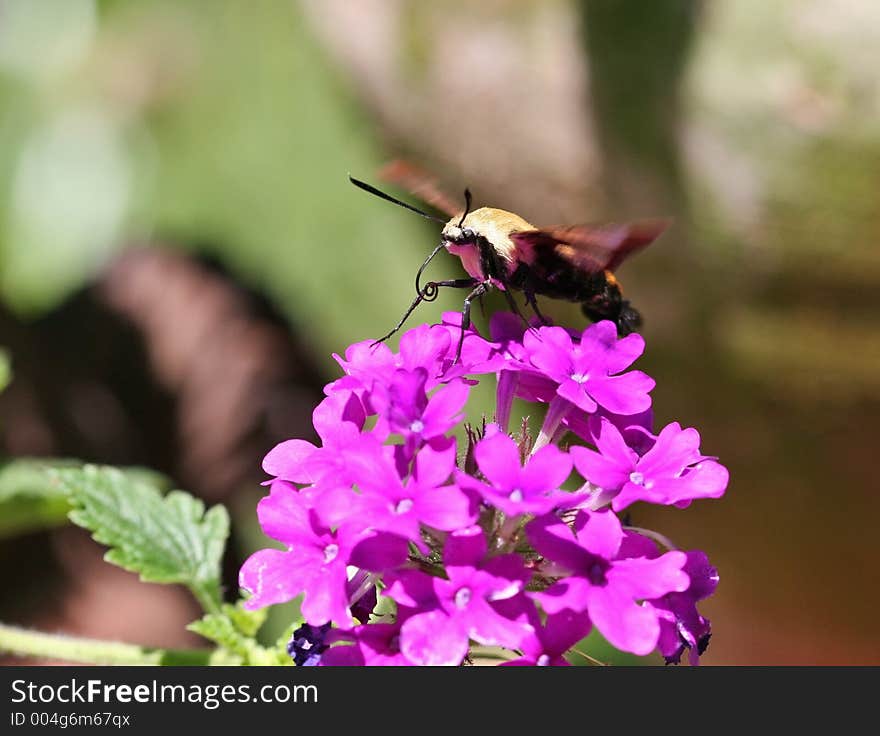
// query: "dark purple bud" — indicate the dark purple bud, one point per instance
point(307, 644)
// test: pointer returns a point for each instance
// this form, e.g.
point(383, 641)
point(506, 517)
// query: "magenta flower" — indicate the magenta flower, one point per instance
point(517, 489)
point(478, 355)
point(376, 645)
point(672, 472)
point(387, 503)
point(546, 647)
point(597, 583)
point(681, 625)
point(464, 542)
point(586, 372)
point(316, 559)
point(442, 615)
point(408, 411)
point(314, 563)
point(338, 420)
point(367, 364)
point(635, 428)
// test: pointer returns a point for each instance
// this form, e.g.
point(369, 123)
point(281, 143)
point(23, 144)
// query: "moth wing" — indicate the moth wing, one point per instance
point(592, 248)
point(419, 183)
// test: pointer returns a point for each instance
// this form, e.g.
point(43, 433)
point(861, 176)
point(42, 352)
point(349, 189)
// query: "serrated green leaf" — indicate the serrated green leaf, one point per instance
point(246, 621)
point(234, 629)
point(29, 498)
point(231, 624)
point(169, 539)
point(219, 629)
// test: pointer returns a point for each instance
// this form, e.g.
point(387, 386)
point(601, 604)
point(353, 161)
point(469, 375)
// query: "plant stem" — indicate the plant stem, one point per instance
point(208, 596)
point(651, 534)
point(29, 643)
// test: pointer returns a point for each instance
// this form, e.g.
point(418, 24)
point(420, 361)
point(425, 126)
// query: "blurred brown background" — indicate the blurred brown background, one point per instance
point(180, 253)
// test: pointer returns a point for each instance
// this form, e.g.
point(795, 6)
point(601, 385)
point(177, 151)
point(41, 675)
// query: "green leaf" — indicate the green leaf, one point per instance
point(234, 629)
point(166, 540)
point(29, 497)
point(246, 621)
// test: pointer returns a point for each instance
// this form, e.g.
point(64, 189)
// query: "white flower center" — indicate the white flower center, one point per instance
point(462, 597)
point(403, 506)
point(637, 478)
point(516, 495)
point(543, 660)
point(417, 426)
point(580, 377)
point(330, 552)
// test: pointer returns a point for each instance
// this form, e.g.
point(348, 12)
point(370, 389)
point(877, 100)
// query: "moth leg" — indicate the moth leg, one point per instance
point(515, 308)
point(533, 303)
point(428, 293)
point(478, 291)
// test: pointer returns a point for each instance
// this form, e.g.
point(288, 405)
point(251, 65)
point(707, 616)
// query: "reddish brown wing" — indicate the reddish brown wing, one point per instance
point(419, 183)
point(592, 248)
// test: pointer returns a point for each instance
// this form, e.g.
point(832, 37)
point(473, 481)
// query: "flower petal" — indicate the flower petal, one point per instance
point(644, 578)
point(370, 469)
point(601, 347)
point(287, 461)
point(338, 417)
point(406, 398)
point(577, 394)
point(444, 407)
point(424, 346)
point(488, 627)
point(627, 393)
point(464, 548)
point(446, 509)
point(433, 639)
point(498, 459)
point(546, 470)
point(610, 443)
point(625, 624)
point(273, 576)
point(563, 630)
point(555, 541)
point(706, 480)
point(411, 589)
point(549, 349)
point(380, 552)
point(325, 598)
point(674, 449)
point(566, 594)
point(702, 574)
point(435, 463)
point(284, 514)
point(599, 532)
point(598, 469)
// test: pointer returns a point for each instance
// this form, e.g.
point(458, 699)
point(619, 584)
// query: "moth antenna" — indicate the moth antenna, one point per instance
point(467, 206)
point(388, 198)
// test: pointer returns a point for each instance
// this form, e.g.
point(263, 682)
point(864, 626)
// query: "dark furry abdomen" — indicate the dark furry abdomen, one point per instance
point(599, 297)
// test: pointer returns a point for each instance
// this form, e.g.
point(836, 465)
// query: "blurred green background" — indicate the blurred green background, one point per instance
point(228, 129)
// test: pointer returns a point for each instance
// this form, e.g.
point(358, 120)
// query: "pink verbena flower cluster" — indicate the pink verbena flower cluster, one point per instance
point(477, 541)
